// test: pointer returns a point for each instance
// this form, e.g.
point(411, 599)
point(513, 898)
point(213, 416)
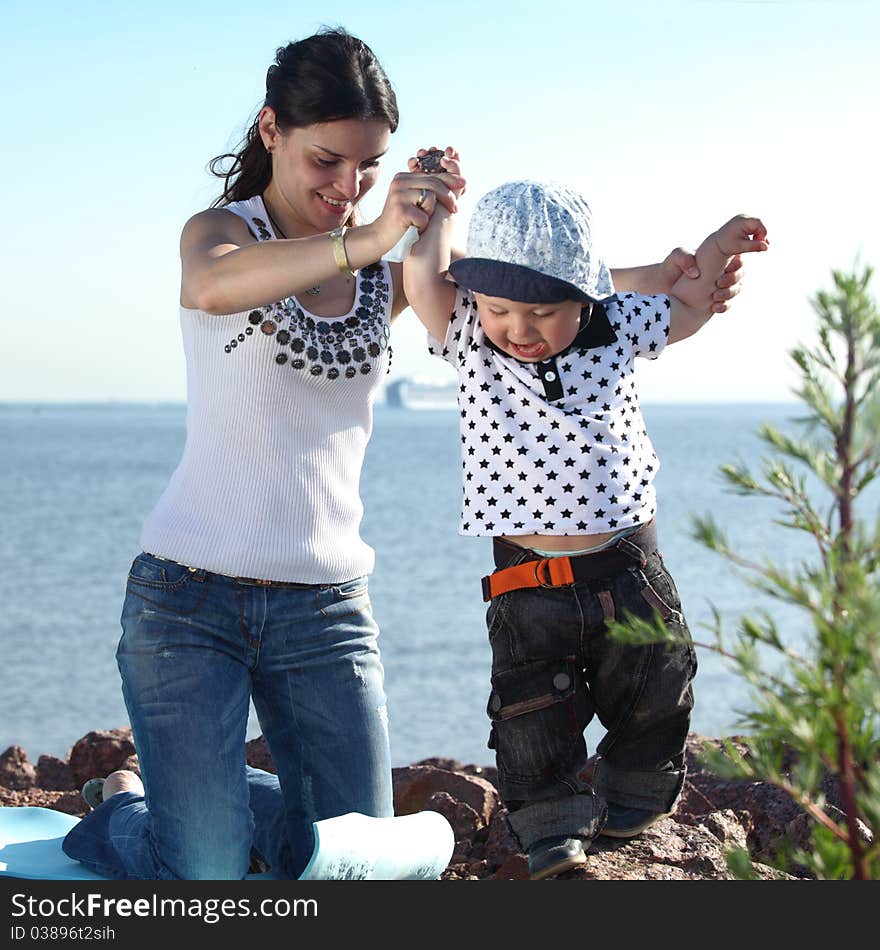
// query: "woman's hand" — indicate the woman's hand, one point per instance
point(414, 196)
point(679, 261)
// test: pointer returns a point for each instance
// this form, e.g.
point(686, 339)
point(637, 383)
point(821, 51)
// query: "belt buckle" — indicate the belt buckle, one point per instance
point(546, 562)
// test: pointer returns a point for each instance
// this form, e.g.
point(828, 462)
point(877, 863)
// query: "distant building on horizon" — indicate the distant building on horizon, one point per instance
point(421, 393)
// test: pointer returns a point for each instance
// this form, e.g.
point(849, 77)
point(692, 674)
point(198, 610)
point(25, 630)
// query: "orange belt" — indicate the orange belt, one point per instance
point(548, 572)
point(551, 572)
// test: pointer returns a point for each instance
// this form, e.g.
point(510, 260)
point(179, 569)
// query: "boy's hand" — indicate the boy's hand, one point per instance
point(449, 163)
point(741, 235)
point(693, 300)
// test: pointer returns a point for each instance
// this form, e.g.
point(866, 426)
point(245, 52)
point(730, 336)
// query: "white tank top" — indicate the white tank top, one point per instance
point(279, 412)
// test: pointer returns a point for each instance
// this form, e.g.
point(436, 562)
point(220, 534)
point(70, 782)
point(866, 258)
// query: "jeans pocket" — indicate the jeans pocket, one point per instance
point(659, 592)
point(157, 573)
point(166, 585)
point(495, 616)
point(538, 713)
point(340, 600)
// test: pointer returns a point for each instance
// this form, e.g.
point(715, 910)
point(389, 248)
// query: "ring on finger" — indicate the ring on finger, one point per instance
point(423, 193)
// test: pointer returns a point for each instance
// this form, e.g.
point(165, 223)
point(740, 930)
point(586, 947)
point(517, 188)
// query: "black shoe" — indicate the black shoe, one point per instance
point(552, 856)
point(625, 822)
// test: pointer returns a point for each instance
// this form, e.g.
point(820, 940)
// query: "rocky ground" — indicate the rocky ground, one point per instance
point(712, 816)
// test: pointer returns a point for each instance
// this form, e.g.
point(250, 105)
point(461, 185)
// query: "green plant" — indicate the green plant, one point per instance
point(815, 722)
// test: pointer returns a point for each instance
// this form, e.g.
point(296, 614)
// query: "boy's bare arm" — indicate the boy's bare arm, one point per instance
point(660, 278)
point(429, 292)
point(691, 299)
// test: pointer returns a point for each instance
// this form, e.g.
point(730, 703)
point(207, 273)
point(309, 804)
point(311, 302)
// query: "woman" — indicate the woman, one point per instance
point(253, 583)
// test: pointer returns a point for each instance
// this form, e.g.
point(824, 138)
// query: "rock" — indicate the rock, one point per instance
point(16, 771)
point(500, 842)
point(487, 772)
point(438, 762)
point(414, 785)
point(514, 868)
point(99, 753)
point(464, 820)
point(713, 815)
point(727, 827)
point(70, 803)
point(53, 773)
point(767, 810)
point(258, 755)
point(458, 871)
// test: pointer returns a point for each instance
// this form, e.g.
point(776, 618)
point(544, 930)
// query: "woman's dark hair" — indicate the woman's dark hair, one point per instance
point(331, 75)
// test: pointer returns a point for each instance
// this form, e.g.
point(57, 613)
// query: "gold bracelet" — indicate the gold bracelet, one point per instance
point(337, 239)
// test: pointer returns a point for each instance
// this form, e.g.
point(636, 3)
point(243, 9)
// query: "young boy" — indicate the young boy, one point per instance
point(558, 469)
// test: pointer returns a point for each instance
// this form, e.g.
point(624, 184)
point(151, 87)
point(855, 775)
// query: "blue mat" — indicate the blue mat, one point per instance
point(351, 847)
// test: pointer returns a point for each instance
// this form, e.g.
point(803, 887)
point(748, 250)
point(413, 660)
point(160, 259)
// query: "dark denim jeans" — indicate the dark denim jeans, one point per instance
point(554, 667)
point(195, 648)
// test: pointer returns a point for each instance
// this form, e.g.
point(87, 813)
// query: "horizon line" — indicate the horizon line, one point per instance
point(162, 403)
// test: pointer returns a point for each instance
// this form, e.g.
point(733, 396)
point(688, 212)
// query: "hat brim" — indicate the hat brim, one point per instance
point(515, 282)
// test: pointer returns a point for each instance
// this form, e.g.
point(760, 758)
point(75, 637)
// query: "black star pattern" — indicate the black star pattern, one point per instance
point(516, 442)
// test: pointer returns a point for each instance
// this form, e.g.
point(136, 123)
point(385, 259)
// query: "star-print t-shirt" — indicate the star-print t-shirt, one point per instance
point(557, 447)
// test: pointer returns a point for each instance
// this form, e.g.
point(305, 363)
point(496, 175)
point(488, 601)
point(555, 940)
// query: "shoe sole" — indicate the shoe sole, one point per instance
point(93, 792)
point(565, 865)
point(634, 830)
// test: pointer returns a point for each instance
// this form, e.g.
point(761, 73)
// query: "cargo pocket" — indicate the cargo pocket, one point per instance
point(538, 713)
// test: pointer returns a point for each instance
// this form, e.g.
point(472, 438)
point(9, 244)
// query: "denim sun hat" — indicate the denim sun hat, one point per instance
point(531, 241)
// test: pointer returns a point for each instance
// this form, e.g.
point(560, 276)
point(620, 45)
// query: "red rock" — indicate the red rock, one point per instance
point(439, 762)
point(71, 803)
point(712, 815)
point(515, 868)
point(258, 755)
point(53, 773)
point(99, 753)
point(16, 771)
point(465, 822)
point(501, 843)
point(413, 786)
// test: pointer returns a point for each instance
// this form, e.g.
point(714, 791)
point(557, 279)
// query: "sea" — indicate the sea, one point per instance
point(77, 481)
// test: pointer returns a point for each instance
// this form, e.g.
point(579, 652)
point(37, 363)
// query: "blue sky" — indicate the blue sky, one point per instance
point(669, 116)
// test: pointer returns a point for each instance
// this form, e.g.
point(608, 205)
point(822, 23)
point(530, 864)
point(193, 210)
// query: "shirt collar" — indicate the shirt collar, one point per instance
point(596, 331)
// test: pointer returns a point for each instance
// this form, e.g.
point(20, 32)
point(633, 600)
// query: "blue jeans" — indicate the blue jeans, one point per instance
point(554, 667)
point(196, 646)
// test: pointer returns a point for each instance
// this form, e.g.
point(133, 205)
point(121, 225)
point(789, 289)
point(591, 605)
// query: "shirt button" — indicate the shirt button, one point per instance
point(550, 376)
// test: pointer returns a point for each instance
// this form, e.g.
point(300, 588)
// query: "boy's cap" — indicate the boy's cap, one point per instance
point(530, 241)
